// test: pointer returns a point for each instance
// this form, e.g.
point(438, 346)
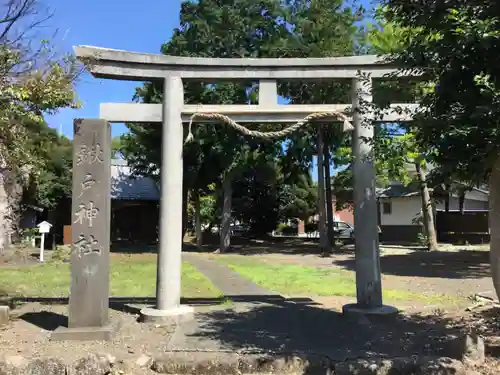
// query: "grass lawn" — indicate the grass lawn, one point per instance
point(293, 280)
point(131, 276)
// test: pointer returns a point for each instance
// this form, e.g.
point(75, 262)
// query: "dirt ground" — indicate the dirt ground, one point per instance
point(19, 257)
point(286, 326)
point(28, 335)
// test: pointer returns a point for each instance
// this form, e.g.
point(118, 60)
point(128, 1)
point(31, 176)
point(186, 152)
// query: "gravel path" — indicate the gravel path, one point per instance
point(229, 282)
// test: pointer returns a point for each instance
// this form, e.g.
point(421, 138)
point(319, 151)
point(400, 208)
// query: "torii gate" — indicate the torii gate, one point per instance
point(89, 295)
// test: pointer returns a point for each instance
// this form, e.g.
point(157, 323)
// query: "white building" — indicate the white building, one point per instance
point(400, 207)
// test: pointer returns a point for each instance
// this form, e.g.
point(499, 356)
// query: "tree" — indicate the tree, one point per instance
point(396, 151)
point(54, 182)
point(32, 82)
point(455, 43)
point(303, 199)
point(321, 28)
point(213, 28)
point(116, 147)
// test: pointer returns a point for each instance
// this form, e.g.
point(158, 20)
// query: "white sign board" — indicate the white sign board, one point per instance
point(44, 227)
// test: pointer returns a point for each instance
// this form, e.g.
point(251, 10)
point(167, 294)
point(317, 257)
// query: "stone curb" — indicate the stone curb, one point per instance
point(232, 363)
point(189, 363)
point(4, 315)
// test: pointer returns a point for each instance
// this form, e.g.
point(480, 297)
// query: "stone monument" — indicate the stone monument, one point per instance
point(91, 207)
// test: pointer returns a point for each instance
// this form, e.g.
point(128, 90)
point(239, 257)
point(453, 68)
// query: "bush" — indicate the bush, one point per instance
point(61, 253)
point(290, 231)
point(27, 235)
point(287, 230)
point(280, 228)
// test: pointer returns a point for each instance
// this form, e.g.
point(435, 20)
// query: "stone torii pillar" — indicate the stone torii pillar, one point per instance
point(168, 279)
point(368, 275)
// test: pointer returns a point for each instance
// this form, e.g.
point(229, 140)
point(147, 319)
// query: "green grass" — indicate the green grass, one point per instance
point(131, 275)
point(293, 280)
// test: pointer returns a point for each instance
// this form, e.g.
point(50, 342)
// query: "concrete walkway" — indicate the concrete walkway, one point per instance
point(229, 282)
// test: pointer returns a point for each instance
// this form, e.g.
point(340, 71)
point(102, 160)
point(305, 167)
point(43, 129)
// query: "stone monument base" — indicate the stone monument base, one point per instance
point(353, 309)
point(173, 315)
point(104, 333)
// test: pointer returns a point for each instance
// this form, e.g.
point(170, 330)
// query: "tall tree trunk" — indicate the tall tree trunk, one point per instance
point(447, 189)
point(185, 200)
point(323, 236)
point(4, 215)
point(11, 191)
point(225, 230)
point(197, 219)
point(328, 189)
point(494, 224)
point(461, 201)
point(428, 214)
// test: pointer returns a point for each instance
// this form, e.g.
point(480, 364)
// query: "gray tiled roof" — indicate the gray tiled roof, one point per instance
point(124, 187)
point(393, 191)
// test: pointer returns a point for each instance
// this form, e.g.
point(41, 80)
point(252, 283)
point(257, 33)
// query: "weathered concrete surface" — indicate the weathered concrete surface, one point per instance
point(233, 363)
point(368, 279)
point(189, 363)
point(99, 333)
point(168, 279)
point(89, 294)
point(229, 282)
point(93, 364)
point(119, 64)
point(355, 310)
point(166, 317)
point(4, 315)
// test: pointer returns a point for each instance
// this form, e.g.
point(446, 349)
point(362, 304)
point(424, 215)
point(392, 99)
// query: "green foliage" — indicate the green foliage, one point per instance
point(53, 182)
point(24, 101)
point(28, 234)
point(457, 43)
point(213, 29)
point(262, 171)
point(287, 230)
point(256, 197)
point(61, 253)
point(116, 147)
point(302, 200)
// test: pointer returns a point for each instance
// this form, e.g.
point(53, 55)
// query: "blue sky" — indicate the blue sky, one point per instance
point(121, 24)
point(118, 24)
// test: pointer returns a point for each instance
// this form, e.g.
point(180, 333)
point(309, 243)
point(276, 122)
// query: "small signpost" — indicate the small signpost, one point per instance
point(43, 227)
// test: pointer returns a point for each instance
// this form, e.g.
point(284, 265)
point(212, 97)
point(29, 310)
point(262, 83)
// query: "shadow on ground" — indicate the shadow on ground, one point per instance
point(465, 264)
point(252, 246)
point(239, 245)
point(49, 320)
point(46, 320)
point(304, 329)
point(269, 245)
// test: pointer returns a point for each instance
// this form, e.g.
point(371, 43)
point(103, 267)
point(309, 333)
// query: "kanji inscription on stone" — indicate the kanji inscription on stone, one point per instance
point(87, 245)
point(86, 214)
point(89, 294)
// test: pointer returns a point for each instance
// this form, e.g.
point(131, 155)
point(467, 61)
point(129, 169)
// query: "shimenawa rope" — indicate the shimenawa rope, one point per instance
point(266, 135)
